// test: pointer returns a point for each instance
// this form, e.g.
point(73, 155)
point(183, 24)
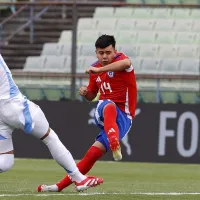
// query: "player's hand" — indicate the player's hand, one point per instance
point(93, 70)
point(83, 91)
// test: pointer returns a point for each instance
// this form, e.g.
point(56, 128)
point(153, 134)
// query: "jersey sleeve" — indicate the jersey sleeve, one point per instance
point(120, 56)
point(92, 86)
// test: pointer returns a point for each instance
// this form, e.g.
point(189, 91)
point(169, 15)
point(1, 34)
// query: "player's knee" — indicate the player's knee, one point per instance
point(6, 162)
point(52, 136)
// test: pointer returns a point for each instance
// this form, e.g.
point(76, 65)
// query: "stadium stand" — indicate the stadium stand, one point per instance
point(158, 40)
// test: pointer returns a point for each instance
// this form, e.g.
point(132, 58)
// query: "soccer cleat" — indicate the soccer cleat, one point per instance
point(117, 155)
point(88, 182)
point(47, 188)
point(115, 148)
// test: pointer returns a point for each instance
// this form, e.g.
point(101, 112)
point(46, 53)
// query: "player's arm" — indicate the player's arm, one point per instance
point(90, 91)
point(120, 65)
point(85, 92)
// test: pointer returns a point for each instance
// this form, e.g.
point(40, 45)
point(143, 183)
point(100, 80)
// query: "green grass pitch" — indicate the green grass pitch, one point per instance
point(122, 180)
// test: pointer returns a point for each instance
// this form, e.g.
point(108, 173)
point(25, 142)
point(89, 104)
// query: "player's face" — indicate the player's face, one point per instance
point(106, 55)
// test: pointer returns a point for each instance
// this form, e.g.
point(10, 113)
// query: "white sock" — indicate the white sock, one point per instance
point(63, 156)
point(6, 162)
point(52, 188)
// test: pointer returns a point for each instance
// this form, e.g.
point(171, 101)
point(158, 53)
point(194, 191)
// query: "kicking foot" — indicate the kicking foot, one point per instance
point(88, 182)
point(115, 148)
point(48, 188)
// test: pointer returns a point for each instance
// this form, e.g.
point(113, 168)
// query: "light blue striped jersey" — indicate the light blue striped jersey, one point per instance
point(8, 88)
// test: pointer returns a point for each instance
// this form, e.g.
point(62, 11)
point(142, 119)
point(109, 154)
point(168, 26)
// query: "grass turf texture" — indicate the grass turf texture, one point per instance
point(122, 180)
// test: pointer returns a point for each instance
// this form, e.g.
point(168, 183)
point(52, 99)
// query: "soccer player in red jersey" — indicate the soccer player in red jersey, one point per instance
point(113, 76)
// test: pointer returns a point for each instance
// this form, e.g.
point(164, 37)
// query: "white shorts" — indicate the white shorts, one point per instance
point(20, 113)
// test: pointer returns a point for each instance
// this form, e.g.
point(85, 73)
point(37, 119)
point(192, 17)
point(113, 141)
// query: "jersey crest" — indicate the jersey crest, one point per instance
point(111, 74)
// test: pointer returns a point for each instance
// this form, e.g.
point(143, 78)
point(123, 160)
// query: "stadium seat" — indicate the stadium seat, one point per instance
point(144, 24)
point(83, 62)
point(165, 38)
point(142, 13)
point(145, 37)
point(169, 66)
point(188, 91)
point(86, 23)
point(185, 38)
point(65, 37)
point(196, 26)
point(149, 96)
point(197, 38)
point(136, 62)
point(180, 13)
point(188, 97)
point(55, 63)
point(106, 24)
point(123, 12)
point(168, 96)
point(52, 94)
point(125, 24)
point(189, 51)
point(67, 64)
point(189, 66)
point(169, 91)
point(126, 37)
point(148, 50)
point(129, 50)
point(164, 25)
point(87, 50)
point(190, 2)
point(35, 63)
point(153, 1)
point(147, 84)
point(147, 90)
point(89, 60)
point(87, 37)
point(161, 13)
point(51, 49)
point(167, 51)
point(195, 14)
point(183, 25)
point(149, 66)
point(172, 1)
point(107, 32)
point(34, 93)
point(66, 49)
point(104, 12)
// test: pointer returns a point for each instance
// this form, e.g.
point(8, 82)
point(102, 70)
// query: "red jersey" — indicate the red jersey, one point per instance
point(120, 87)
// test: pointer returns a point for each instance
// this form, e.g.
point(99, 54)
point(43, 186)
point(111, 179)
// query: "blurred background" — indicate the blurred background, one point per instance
point(49, 44)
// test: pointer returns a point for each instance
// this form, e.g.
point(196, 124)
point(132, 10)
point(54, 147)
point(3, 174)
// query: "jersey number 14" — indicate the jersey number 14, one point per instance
point(105, 86)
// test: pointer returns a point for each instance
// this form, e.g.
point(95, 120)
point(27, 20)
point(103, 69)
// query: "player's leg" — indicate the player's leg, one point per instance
point(112, 130)
point(6, 147)
point(60, 153)
point(28, 116)
point(6, 161)
point(106, 116)
point(100, 147)
point(93, 154)
point(115, 123)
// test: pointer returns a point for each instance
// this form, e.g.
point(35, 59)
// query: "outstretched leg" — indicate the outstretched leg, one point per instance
point(93, 154)
point(112, 130)
point(59, 152)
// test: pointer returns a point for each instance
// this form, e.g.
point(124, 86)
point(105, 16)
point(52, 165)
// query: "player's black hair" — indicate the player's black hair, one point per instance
point(105, 41)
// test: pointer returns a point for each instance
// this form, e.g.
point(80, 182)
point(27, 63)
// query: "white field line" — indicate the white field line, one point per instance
point(102, 193)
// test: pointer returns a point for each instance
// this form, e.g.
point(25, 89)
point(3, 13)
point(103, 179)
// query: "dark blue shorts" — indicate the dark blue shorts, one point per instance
point(124, 123)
